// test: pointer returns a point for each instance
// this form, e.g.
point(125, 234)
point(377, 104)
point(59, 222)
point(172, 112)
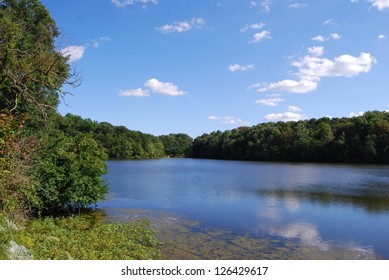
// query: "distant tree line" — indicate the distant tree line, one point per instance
point(121, 143)
point(363, 139)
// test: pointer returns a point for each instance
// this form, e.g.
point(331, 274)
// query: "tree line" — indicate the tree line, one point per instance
point(363, 139)
point(121, 143)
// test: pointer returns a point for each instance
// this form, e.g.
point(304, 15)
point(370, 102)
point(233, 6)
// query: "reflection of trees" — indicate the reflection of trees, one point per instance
point(371, 202)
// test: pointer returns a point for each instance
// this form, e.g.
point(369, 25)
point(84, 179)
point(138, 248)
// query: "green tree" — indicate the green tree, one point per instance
point(359, 139)
point(17, 188)
point(32, 70)
point(65, 167)
point(176, 145)
point(69, 172)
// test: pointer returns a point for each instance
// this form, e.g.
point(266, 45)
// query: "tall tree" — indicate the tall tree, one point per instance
point(32, 70)
point(64, 171)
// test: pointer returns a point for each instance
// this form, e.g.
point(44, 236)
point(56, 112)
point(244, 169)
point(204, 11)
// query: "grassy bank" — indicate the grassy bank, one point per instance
point(80, 237)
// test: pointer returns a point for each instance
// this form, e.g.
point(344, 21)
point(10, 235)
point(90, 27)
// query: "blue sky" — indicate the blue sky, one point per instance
point(172, 66)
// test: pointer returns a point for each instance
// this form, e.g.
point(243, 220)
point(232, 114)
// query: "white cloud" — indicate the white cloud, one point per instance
point(336, 36)
point(345, 65)
point(274, 95)
point(381, 36)
point(359, 114)
point(182, 26)
point(266, 5)
point(284, 117)
point(318, 38)
point(328, 22)
point(135, 92)
point(124, 3)
point(316, 51)
point(96, 43)
point(73, 53)
point(333, 36)
point(256, 85)
point(253, 4)
point(163, 88)
point(380, 4)
point(257, 37)
point(153, 86)
point(228, 120)
point(214, 118)
point(237, 67)
point(302, 86)
point(273, 102)
point(255, 26)
point(312, 68)
point(294, 109)
point(297, 5)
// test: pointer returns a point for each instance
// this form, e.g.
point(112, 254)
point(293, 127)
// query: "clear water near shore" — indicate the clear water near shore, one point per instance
point(207, 209)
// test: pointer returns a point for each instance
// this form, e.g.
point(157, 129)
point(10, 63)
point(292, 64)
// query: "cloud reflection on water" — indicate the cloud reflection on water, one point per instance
point(306, 233)
point(278, 217)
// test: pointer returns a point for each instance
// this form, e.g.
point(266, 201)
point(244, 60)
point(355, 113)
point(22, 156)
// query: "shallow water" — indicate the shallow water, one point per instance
point(248, 210)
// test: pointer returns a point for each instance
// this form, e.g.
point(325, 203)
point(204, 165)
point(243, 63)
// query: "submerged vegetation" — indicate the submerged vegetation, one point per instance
point(80, 237)
point(186, 239)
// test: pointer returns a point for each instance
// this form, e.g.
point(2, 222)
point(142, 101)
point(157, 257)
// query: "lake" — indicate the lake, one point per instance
point(210, 209)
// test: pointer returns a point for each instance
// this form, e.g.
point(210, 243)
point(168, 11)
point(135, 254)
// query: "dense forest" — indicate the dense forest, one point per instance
point(358, 139)
point(121, 143)
point(363, 139)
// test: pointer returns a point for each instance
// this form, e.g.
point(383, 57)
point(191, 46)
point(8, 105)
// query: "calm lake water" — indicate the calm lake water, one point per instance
point(214, 209)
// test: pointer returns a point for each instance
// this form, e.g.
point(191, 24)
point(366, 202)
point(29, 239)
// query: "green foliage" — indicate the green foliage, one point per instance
point(360, 139)
point(177, 145)
point(84, 237)
point(17, 189)
point(32, 71)
point(69, 172)
point(122, 143)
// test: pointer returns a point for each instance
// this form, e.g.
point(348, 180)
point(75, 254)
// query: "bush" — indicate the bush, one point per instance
point(69, 172)
point(17, 188)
